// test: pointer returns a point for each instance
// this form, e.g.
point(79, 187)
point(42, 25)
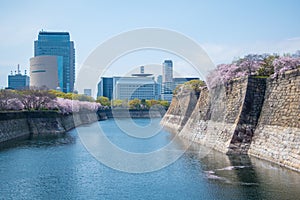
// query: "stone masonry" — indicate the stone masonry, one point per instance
point(255, 116)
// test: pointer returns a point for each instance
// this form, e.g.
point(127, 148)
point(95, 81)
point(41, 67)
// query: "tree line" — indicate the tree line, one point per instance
point(41, 99)
point(138, 104)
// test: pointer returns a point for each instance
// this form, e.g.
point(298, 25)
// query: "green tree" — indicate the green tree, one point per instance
point(135, 104)
point(267, 67)
point(117, 103)
point(165, 104)
point(151, 103)
point(104, 101)
point(195, 85)
point(82, 97)
point(125, 103)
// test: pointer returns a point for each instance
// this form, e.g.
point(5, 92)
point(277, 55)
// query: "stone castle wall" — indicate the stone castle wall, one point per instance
point(251, 115)
point(225, 118)
point(180, 110)
point(277, 136)
point(22, 125)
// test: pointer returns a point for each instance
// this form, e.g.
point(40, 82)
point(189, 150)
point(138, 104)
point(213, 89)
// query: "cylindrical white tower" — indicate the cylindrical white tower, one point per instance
point(46, 71)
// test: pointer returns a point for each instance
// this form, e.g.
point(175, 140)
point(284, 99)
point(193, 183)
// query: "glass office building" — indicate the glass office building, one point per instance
point(58, 44)
point(18, 82)
point(167, 80)
point(105, 87)
point(127, 88)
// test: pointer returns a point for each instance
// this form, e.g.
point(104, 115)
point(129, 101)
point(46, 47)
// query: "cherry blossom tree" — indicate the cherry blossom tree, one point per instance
point(35, 99)
point(5, 96)
point(253, 64)
point(9, 101)
point(286, 63)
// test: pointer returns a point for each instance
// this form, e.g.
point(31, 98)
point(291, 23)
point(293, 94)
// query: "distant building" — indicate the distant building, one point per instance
point(18, 81)
point(159, 87)
point(105, 87)
point(142, 73)
point(87, 92)
point(58, 44)
point(135, 87)
point(141, 85)
point(167, 80)
point(46, 71)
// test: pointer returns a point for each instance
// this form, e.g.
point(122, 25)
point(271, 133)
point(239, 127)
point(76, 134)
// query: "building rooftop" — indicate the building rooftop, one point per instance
point(135, 80)
point(53, 33)
point(141, 75)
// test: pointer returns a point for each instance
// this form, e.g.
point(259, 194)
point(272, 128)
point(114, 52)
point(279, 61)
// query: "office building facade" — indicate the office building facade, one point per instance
point(127, 88)
point(46, 71)
point(142, 85)
point(135, 88)
point(18, 82)
point(159, 87)
point(58, 44)
point(105, 87)
point(167, 80)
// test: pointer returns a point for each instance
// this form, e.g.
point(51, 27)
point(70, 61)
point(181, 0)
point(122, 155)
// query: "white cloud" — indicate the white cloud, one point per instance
point(294, 38)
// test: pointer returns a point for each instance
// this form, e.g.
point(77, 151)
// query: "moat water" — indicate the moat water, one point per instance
point(62, 168)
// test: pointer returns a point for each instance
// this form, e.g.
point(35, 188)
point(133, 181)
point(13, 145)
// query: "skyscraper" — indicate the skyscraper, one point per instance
point(58, 44)
point(167, 80)
point(159, 87)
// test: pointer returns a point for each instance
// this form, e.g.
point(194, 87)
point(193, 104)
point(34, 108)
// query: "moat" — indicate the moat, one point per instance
point(60, 167)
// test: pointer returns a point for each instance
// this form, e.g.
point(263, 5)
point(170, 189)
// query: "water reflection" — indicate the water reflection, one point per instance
point(61, 168)
point(40, 142)
point(251, 178)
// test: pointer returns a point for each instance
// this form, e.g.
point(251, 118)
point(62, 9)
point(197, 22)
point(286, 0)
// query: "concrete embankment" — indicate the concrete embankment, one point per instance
point(26, 124)
point(126, 113)
point(255, 116)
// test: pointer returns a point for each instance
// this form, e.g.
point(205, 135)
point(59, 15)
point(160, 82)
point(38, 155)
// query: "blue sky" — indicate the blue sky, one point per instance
point(225, 29)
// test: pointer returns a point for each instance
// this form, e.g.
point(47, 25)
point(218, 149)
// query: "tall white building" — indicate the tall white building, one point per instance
point(167, 73)
point(167, 80)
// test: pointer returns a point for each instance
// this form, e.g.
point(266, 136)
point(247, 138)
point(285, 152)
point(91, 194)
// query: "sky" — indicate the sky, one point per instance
point(224, 29)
